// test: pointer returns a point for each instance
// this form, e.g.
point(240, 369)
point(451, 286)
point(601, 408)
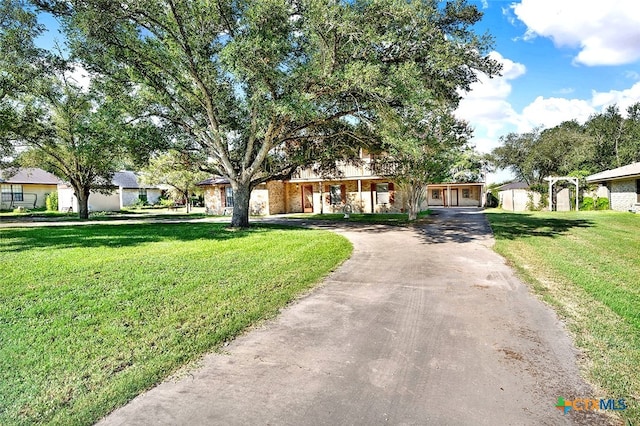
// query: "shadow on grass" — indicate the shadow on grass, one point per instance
point(511, 226)
point(120, 235)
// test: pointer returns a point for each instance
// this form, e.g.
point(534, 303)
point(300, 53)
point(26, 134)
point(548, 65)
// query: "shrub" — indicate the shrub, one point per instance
point(52, 202)
point(602, 204)
point(587, 204)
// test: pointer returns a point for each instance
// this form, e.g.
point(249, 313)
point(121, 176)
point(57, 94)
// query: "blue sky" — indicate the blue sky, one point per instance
point(563, 59)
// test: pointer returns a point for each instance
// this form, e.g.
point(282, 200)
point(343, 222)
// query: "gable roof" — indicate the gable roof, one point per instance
point(125, 179)
point(512, 185)
point(29, 175)
point(216, 180)
point(629, 170)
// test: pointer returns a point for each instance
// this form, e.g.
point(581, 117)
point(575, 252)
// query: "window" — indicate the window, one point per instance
point(382, 193)
point(466, 193)
point(638, 190)
point(335, 195)
point(435, 194)
point(142, 194)
point(12, 193)
point(228, 196)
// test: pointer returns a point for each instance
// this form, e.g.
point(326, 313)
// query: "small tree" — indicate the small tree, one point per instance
point(420, 147)
point(78, 135)
point(179, 170)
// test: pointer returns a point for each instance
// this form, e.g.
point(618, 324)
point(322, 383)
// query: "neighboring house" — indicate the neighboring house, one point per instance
point(517, 197)
point(125, 191)
point(359, 188)
point(28, 187)
point(621, 186)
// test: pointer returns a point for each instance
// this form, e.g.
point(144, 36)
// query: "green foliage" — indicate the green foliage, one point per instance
point(177, 169)
point(421, 146)
point(52, 202)
point(605, 141)
point(127, 305)
point(587, 204)
point(261, 88)
point(602, 203)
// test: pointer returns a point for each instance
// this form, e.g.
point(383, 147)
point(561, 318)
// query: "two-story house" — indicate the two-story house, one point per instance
point(358, 187)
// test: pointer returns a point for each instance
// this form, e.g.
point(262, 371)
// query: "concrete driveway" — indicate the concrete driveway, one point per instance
point(422, 326)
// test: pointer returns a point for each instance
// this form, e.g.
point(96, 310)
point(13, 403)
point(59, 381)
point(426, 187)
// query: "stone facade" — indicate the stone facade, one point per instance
point(277, 197)
point(623, 195)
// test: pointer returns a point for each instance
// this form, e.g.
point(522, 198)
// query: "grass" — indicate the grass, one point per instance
point(586, 265)
point(44, 215)
point(90, 316)
point(373, 218)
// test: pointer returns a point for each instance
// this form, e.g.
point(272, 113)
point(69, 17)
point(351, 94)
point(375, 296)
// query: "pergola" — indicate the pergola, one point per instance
point(553, 180)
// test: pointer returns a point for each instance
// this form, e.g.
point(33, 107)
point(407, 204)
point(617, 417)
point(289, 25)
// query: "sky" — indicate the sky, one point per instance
point(562, 60)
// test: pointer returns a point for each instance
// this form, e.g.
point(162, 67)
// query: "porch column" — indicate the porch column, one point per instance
point(449, 195)
point(321, 198)
point(360, 191)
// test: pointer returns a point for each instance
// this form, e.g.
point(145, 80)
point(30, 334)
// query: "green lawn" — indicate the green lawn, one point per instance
point(92, 315)
point(586, 265)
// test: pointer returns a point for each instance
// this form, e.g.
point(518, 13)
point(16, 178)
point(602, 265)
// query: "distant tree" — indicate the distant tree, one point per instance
point(514, 154)
point(607, 130)
point(470, 166)
point(264, 87)
point(177, 169)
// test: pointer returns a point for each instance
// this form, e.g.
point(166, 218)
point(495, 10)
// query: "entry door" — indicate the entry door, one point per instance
point(307, 198)
point(454, 197)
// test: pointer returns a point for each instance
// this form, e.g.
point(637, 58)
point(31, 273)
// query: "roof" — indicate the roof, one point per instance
point(28, 176)
point(128, 179)
point(125, 179)
point(216, 180)
point(629, 170)
point(513, 185)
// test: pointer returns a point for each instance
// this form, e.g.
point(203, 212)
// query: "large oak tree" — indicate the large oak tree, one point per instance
point(263, 87)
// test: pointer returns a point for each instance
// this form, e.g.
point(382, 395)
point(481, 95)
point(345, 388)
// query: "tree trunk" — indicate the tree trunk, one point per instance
point(241, 197)
point(83, 202)
point(416, 194)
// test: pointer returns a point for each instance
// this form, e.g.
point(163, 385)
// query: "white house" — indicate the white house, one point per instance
point(621, 186)
point(125, 191)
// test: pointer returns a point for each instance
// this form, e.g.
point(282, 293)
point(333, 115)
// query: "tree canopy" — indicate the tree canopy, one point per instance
point(422, 146)
point(263, 87)
point(607, 140)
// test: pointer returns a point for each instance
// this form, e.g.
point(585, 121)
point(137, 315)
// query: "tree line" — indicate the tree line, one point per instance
point(607, 140)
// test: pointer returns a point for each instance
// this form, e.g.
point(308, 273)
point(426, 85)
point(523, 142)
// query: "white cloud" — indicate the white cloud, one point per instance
point(549, 112)
point(79, 76)
point(486, 108)
point(606, 32)
point(623, 98)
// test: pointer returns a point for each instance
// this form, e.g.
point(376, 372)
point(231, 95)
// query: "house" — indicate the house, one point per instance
point(517, 197)
point(358, 188)
point(621, 186)
point(125, 191)
point(456, 195)
point(28, 188)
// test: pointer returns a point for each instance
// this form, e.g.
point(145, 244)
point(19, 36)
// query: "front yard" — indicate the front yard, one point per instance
point(586, 265)
point(90, 316)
